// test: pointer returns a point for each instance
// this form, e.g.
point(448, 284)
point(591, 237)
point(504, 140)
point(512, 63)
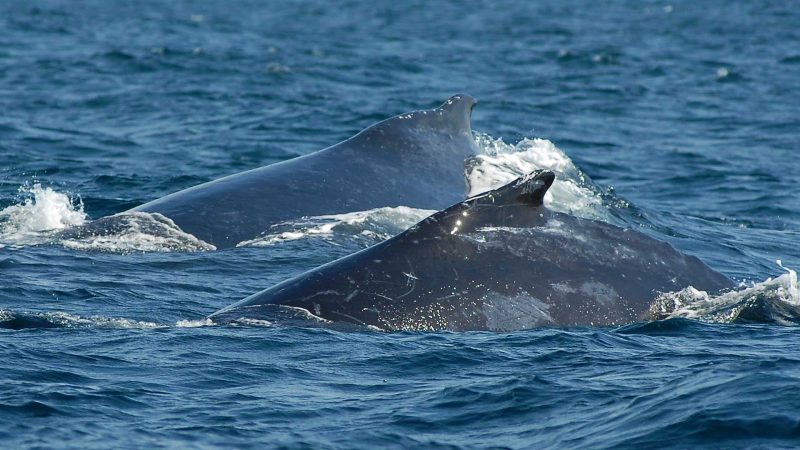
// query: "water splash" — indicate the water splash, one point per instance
point(573, 192)
point(774, 301)
point(253, 322)
point(58, 319)
point(45, 216)
point(793, 287)
point(43, 210)
point(194, 323)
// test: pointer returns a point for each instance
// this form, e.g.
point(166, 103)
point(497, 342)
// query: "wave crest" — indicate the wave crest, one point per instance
point(775, 301)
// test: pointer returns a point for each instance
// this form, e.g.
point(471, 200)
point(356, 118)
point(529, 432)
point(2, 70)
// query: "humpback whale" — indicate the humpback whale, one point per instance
point(414, 159)
point(497, 261)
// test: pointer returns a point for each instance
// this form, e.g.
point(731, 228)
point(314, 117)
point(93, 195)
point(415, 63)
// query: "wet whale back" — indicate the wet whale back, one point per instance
point(498, 261)
point(414, 159)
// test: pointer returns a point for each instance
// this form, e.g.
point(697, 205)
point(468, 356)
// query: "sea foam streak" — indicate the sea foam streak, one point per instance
point(57, 319)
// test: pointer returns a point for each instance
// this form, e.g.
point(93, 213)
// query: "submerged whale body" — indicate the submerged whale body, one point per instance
point(497, 261)
point(414, 159)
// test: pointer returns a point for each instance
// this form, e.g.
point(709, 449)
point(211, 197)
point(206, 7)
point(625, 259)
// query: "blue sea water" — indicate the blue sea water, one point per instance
point(684, 116)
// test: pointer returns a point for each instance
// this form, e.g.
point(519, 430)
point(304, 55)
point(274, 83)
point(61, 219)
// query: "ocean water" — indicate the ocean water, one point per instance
point(680, 119)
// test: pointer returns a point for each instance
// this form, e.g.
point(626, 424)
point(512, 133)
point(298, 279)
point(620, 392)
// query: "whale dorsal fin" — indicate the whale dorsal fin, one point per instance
point(515, 204)
point(527, 190)
point(452, 118)
point(459, 110)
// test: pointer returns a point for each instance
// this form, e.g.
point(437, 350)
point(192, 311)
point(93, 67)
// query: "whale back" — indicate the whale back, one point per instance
point(497, 261)
point(414, 159)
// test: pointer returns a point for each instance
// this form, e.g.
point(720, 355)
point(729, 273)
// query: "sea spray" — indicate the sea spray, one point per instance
point(42, 210)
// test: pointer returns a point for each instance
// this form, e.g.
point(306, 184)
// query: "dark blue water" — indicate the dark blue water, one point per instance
point(684, 115)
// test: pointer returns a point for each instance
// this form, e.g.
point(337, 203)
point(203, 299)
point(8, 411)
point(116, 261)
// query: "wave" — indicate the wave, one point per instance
point(18, 321)
point(773, 301)
point(272, 315)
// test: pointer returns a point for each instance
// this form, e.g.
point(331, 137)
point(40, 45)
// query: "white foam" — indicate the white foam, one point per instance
point(501, 163)
point(793, 287)
point(75, 321)
point(695, 304)
point(135, 232)
point(47, 216)
point(194, 323)
point(43, 210)
point(68, 320)
point(253, 322)
point(372, 226)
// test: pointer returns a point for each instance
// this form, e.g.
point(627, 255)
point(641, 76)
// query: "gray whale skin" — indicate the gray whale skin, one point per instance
point(414, 159)
point(497, 261)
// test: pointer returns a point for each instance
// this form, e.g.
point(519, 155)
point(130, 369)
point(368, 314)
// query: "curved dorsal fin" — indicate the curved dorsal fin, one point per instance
point(451, 117)
point(515, 204)
point(526, 190)
point(459, 110)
